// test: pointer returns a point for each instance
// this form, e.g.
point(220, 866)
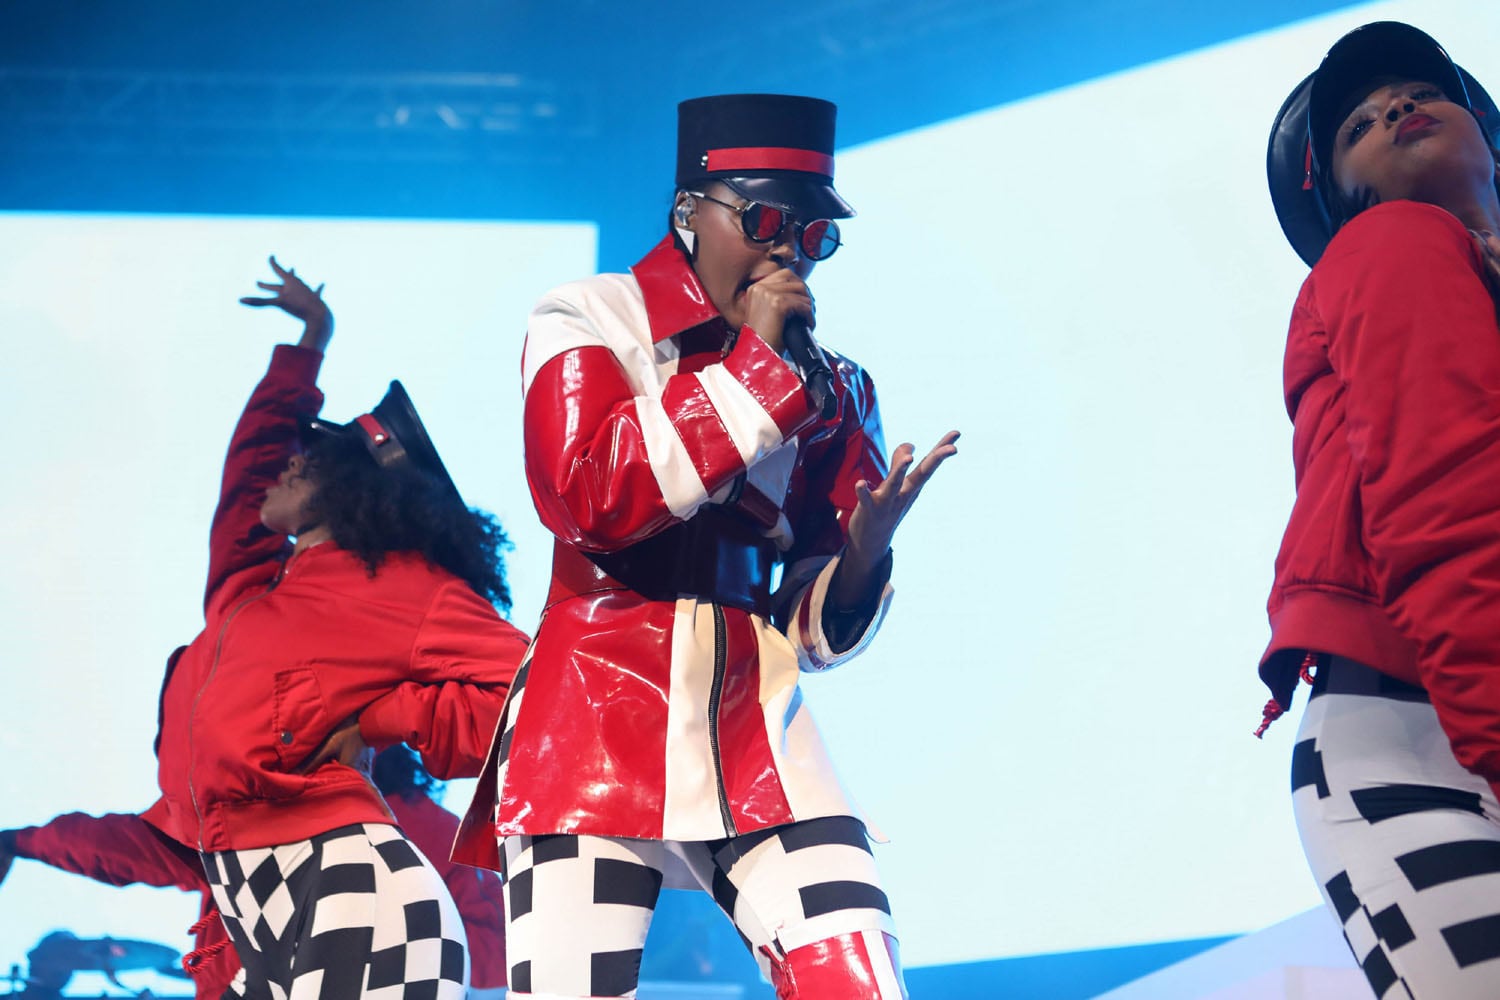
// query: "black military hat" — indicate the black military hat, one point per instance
point(1299, 155)
point(773, 148)
point(394, 435)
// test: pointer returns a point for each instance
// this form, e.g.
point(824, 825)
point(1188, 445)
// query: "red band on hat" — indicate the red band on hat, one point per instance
point(768, 158)
point(371, 426)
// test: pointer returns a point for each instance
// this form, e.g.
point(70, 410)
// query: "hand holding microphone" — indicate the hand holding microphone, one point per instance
point(780, 311)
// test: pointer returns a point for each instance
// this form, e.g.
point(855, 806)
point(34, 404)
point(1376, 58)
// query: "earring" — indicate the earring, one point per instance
point(682, 214)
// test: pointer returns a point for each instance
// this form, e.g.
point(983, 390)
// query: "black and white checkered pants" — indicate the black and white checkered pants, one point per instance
point(1404, 842)
point(354, 912)
point(578, 907)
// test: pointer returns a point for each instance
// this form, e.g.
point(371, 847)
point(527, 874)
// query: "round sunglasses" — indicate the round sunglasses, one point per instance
point(762, 223)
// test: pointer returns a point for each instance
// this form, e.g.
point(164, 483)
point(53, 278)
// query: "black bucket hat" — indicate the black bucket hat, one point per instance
point(772, 148)
point(394, 436)
point(1299, 154)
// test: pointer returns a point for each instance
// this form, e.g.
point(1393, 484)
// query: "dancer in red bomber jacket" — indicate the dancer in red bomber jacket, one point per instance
point(1386, 179)
point(376, 627)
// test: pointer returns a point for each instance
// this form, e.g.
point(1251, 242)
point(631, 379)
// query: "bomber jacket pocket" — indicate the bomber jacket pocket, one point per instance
point(299, 721)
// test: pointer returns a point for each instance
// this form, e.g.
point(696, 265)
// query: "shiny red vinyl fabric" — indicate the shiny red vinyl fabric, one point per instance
point(660, 698)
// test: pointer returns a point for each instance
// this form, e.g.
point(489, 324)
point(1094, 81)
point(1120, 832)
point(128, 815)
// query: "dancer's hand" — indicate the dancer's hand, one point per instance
point(345, 745)
point(877, 513)
point(293, 296)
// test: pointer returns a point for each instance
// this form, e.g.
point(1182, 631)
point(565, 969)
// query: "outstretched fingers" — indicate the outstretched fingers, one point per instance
point(945, 449)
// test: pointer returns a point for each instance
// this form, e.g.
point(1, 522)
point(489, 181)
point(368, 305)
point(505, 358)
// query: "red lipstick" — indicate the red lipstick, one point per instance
point(1413, 124)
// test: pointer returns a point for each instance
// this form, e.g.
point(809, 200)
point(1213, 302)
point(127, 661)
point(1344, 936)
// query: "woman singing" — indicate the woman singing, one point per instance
point(683, 438)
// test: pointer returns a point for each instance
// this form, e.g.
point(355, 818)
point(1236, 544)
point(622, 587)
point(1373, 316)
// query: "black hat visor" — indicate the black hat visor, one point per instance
point(802, 195)
point(396, 437)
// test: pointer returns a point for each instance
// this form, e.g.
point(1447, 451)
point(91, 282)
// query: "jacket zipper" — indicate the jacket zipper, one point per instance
point(715, 695)
point(192, 713)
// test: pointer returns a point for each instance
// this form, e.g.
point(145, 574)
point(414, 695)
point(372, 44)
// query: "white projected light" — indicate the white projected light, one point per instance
point(1053, 727)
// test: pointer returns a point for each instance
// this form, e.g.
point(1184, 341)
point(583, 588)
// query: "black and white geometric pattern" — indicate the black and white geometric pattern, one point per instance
point(1404, 842)
point(354, 912)
point(578, 907)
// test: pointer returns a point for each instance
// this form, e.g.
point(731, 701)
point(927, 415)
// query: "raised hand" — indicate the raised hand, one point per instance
point(293, 296)
point(878, 512)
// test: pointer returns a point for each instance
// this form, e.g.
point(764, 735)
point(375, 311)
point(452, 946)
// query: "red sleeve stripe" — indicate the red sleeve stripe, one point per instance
point(711, 448)
point(769, 158)
point(767, 379)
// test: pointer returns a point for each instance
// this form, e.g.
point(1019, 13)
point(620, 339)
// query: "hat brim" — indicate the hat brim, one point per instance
point(409, 445)
point(311, 430)
point(398, 415)
point(1299, 207)
point(803, 196)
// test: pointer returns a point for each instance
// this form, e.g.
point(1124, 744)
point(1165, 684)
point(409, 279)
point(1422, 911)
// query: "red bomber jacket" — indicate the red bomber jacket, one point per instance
point(1392, 553)
point(292, 646)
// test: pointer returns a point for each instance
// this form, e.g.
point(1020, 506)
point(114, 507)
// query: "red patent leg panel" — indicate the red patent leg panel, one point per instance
point(861, 966)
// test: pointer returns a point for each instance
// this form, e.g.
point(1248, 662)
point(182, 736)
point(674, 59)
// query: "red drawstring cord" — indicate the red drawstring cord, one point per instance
point(1309, 663)
point(1273, 709)
point(1307, 169)
point(1268, 715)
point(192, 962)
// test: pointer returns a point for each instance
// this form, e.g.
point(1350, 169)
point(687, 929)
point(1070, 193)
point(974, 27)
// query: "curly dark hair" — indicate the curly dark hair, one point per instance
point(398, 771)
point(372, 511)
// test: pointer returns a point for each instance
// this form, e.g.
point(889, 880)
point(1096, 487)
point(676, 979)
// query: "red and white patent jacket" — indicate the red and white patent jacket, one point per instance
point(676, 462)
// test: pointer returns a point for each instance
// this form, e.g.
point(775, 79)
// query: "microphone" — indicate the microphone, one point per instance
point(811, 364)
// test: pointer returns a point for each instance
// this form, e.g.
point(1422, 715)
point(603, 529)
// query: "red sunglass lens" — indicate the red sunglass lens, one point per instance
point(762, 222)
point(820, 238)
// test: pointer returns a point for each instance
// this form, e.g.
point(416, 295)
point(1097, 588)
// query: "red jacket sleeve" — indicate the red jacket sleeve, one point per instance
point(856, 451)
point(823, 501)
point(116, 848)
point(1412, 337)
point(463, 661)
point(610, 463)
point(264, 439)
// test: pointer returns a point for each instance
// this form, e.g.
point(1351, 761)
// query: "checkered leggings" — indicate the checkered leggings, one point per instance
point(1404, 843)
point(578, 907)
point(354, 912)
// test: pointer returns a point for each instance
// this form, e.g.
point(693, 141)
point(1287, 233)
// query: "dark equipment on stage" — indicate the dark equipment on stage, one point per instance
point(51, 964)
